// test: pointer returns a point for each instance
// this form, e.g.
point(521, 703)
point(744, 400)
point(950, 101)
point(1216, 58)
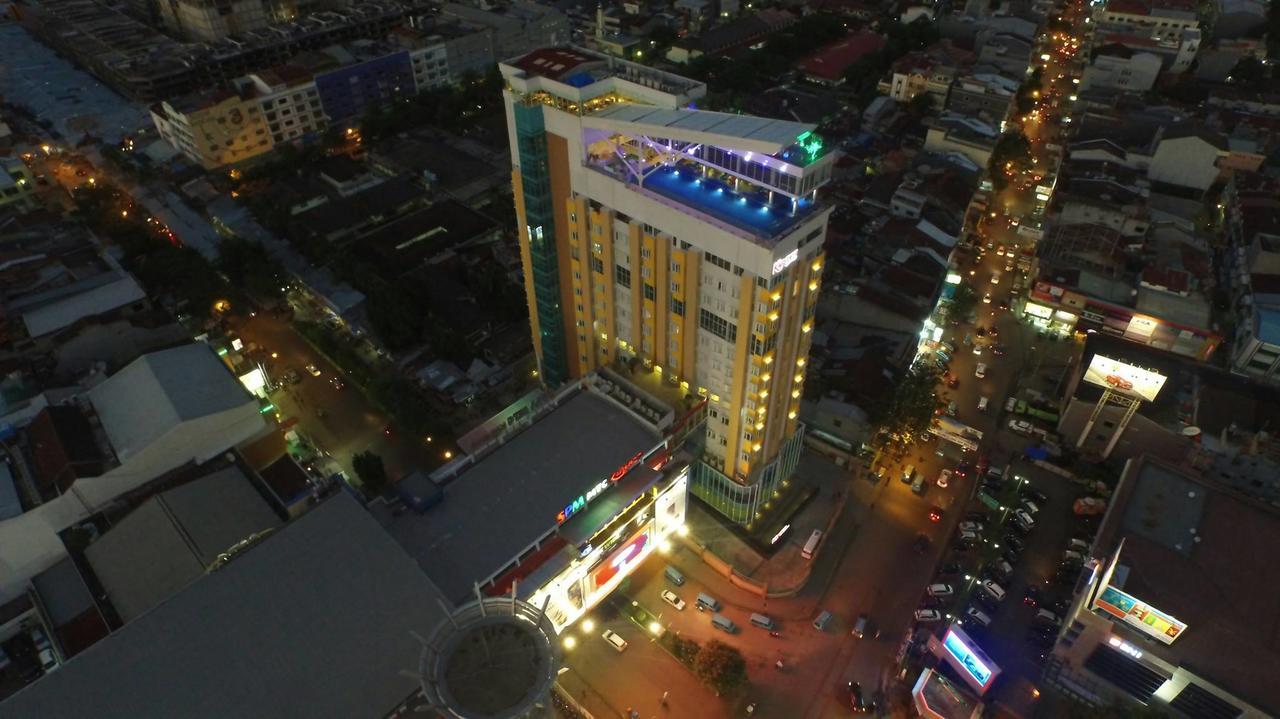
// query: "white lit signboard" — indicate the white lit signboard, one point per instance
point(1040, 311)
point(785, 261)
point(953, 278)
point(1124, 378)
point(1135, 613)
point(972, 663)
point(1142, 325)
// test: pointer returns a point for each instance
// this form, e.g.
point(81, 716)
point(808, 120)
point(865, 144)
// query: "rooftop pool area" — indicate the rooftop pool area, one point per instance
point(750, 211)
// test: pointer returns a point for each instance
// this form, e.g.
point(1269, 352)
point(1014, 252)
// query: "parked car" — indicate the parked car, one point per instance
point(1011, 555)
point(921, 544)
point(971, 526)
point(1037, 495)
point(617, 642)
point(940, 590)
point(673, 599)
point(1046, 618)
point(1020, 426)
point(979, 616)
point(928, 615)
point(1025, 517)
point(1032, 596)
point(1014, 542)
point(313, 370)
point(944, 478)
point(949, 569)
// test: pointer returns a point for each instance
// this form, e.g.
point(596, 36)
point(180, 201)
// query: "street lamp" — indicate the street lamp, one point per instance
point(569, 642)
point(588, 625)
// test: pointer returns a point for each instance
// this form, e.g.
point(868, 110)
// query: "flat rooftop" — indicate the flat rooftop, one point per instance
point(314, 621)
point(1193, 550)
point(511, 497)
point(722, 128)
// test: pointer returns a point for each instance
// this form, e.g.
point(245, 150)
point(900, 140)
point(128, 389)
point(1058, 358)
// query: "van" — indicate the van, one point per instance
point(822, 620)
point(763, 621)
point(706, 601)
point(860, 626)
point(674, 576)
point(978, 616)
point(811, 545)
point(724, 624)
point(918, 485)
point(908, 473)
point(982, 404)
point(1005, 569)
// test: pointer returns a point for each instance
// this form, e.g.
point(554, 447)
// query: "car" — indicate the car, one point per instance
point(971, 526)
point(1003, 303)
point(337, 383)
point(952, 408)
point(1011, 555)
point(935, 514)
point(673, 599)
point(981, 372)
point(1014, 542)
point(964, 545)
point(1070, 558)
point(921, 544)
point(994, 589)
point(999, 350)
point(962, 469)
point(940, 590)
point(1037, 495)
point(1008, 266)
point(970, 536)
point(1000, 251)
point(1030, 506)
point(981, 331)
point(944, 478)
point(977, 349)
point(986, 299)
point(1032, 596)
point(949, 569)
point(615, 640)
point(313, 370)
point(1020, 426)
point(979, 616)
point(928, 615)
point(1046, 618)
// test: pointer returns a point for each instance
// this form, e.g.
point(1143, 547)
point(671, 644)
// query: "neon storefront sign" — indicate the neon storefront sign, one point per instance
point(785, 261)
point(974, 665)
point(597, 489)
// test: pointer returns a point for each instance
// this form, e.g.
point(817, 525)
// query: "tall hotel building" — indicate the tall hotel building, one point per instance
point(688, 240)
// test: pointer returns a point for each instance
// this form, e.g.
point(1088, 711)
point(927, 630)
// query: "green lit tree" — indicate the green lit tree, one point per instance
point(909, 410)
point(720, 666)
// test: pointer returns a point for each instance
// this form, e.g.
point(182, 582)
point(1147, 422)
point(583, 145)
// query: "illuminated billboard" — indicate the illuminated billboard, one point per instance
point(974, 666)
point(1124, 378)
point(1137, 614)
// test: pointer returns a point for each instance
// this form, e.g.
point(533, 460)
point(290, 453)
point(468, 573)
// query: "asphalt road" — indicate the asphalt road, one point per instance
point(350, 422)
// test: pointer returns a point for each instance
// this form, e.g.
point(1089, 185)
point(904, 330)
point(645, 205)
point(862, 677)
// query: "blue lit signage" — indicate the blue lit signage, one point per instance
point(977, 666)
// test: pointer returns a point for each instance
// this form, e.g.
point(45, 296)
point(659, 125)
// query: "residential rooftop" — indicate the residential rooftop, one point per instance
point(260, 637)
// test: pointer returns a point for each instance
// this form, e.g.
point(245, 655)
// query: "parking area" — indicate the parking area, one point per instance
point(1007, 579)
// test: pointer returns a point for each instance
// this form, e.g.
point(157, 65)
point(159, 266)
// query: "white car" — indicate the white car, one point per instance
point(614, 640)
point(313, 370)
point(671, 598)
point(971, 526)
point(977, 349)
point(1020, 426)
point(944, 478)
point(978, 616)
point(986, 299)
point(940, 590)
point(969, 536)
point(981, 371)
point(928, 615)
point(1010, 404)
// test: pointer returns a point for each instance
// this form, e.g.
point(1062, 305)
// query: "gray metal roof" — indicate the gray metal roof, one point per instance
point(511, 497)
point(313, 622)
point(145, 399)
point(63, 592)
point(167, 543)
point(685, 124)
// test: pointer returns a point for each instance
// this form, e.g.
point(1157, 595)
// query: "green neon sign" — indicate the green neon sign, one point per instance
point(811, 143)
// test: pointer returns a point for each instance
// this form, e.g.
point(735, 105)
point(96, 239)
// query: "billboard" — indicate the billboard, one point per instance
point(1137, 614)
point(952, 430)
point(1124, 378)
point(973, 665)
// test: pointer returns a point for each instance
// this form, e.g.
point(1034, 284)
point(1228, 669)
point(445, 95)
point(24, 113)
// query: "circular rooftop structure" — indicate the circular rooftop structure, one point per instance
point(495, 658)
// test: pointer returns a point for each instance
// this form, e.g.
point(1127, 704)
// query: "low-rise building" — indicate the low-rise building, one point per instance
point(1120, 67)
point(1147, 627)
point(17, 190)
point(986, 96)
point(967, 136)
point(207, 20)
point(828, 65)
point(1158, 19)
point(214, 129)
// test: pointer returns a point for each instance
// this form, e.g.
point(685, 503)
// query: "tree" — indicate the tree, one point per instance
point(720, 666)
point(910, 409)
point(1011, 155)
point(372, 473)
point(963, 300)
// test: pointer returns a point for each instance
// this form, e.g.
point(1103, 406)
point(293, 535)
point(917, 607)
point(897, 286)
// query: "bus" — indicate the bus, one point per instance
point(811, 546)
point(952, 430)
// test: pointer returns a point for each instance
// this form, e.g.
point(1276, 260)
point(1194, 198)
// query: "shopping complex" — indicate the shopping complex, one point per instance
point(561, 498)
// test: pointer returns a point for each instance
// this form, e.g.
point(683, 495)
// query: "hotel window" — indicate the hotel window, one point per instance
point(596, 265)
point(622, 276)
point(649, 292)
point(677, 308)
